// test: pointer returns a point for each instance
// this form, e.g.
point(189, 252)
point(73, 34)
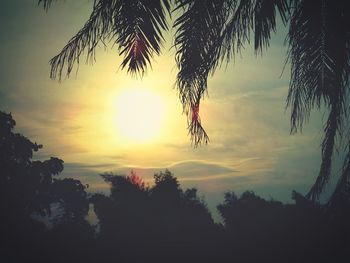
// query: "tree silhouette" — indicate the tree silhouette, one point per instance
point(209, 32)
point(273, 229)
point(28, 188)
point(153, 223)
point(25, 183)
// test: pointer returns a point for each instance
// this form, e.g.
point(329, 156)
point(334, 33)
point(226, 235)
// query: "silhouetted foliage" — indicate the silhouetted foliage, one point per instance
point(302, 232)
point(27, 187)
point(143, 218)
point(25, 183)
point(153, 223)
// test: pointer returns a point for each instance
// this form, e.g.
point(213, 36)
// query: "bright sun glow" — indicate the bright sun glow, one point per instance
point(139, 115)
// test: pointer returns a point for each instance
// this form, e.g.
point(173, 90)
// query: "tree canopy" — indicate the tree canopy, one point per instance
point(152, 223)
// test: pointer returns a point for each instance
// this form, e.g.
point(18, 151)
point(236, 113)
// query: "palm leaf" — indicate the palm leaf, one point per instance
point(97, 28)
point(138, 26)
point(210, 30)
point(265, 20)
point(198, 30)
point(318, 53)
point(247, 17)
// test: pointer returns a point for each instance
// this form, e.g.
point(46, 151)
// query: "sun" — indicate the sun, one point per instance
point(139, 115)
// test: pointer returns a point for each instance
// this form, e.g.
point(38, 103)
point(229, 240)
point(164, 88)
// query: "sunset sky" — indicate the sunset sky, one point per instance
point(92, 120)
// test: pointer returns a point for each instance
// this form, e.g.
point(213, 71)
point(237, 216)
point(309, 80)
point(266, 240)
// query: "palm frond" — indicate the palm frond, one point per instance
point(198, 30)
point(265, 20)
point(97, 28)
point(138, 26)
point(247, 17)
point(319, 73)
point(238, 27)
point(210, 30)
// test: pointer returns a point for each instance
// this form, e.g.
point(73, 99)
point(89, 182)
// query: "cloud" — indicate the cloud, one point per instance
point(213, 176)
point(199, 170)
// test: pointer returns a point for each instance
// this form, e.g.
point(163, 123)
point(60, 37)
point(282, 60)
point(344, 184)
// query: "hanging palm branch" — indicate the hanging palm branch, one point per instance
point(318, 53)
point(210, 30)
point(96, 29)
point(136, 25)
point(198, 29)
point(265, 20)
point(247, 17)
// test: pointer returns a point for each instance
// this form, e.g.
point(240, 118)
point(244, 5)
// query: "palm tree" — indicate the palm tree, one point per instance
point(209, 32)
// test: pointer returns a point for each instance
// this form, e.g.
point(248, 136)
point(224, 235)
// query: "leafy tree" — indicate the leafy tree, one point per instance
point(237, 212)
point(28, 187)
point(209, 32)
point(25, 183)
point(123, 215)
point(153, 220)
point(300, 232)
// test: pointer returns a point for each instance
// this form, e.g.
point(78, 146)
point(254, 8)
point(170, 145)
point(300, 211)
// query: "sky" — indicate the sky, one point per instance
point(92, 119)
